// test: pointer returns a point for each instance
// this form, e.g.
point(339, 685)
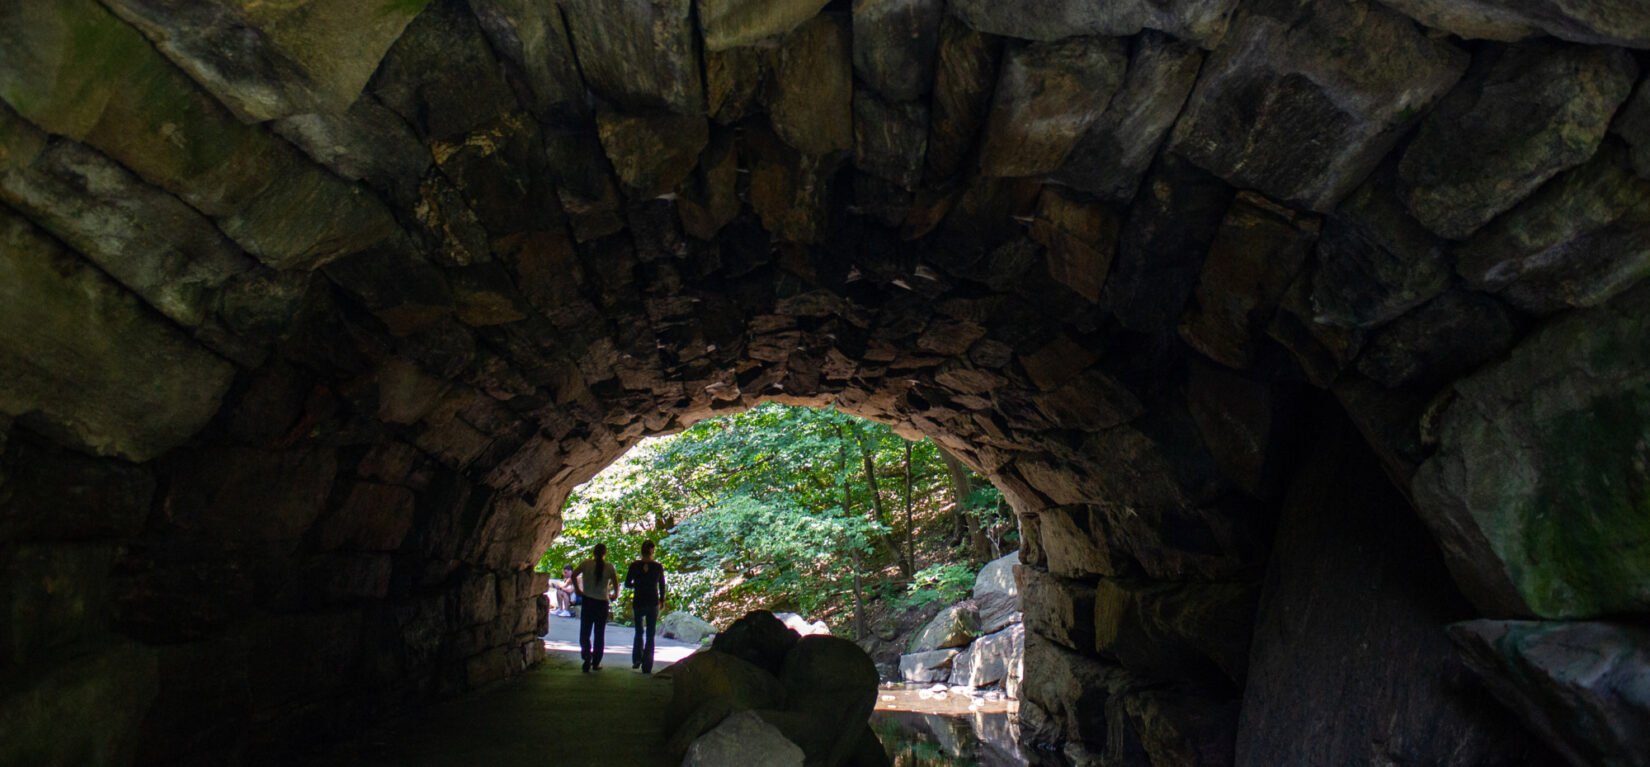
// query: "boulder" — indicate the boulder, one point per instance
point(1198, 632)
point(1582, 686)
point(833, 683)
point(1632, 124)
point(743, 739)
point(652, 154)
point(757, 638)
point(811, 101)
point(1306, 97)
point(1060, 609)
point(955, 626)
point(1447, 337)
point(965, 73)
point(930, 666)
point(686, 627)
point(706, 676)
point(894, 45)
point(1375, 261)
point(990, 659)
point(1521, 117)
point(801, 625)
point(996, 594)
point(733, 23)
point(1200, 20)
point(638, 55)
point(1070, 691)
point(1532, 491)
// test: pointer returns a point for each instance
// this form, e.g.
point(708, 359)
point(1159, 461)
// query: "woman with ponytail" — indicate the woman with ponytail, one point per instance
point(597, 583)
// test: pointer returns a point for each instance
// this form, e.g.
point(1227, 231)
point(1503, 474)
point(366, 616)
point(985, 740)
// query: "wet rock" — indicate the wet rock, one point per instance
point(1522, 115)
point(148, 240)
point(1535, 493)
point(925, 667)
point(266, 62)
point(638, 55)
point(1354, 569)
point(811, 103)
point(1081, 239)
point(894, 45)
point(141, 386)
point(1112, 156)
point(1580, 685)
point(1204, 22)
point(1257, 251)
point(965, 74)
point(250, 182)
point(1578, 241)
point(1625, 24)
point(743, 738)
point(757, 638)
point(1279, 110)
point(686, 627)
point(652, 154)
point(990, 658)
point(996, 594)
point(733, 23)
point(955, 626)
point(1375, 262)
point(1449, 336)
point(1047, 95)
point(890, 139)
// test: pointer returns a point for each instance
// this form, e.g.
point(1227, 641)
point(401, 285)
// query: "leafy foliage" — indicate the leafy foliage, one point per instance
point(780, 507)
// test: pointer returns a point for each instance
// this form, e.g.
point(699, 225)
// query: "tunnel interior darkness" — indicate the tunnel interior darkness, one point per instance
point(1304, 336)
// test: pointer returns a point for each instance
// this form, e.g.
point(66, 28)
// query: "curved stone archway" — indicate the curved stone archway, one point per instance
point(311, 317)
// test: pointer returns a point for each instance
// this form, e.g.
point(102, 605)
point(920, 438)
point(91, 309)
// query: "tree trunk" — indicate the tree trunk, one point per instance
point(910, 525)
point(961, 488)
point(853, 551)
point(889, 545)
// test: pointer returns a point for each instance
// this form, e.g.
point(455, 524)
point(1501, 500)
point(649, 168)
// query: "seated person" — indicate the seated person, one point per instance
point(562, 598)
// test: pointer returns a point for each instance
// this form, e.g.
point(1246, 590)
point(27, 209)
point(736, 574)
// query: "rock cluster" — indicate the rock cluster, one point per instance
point(810, 696)
point(978, 643)
point(324, 311)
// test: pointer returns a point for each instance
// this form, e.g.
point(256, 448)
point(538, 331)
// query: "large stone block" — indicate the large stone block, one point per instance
point(894, 45)
point(638, 54)
point(49, 493)
point(1047, 95)
point(268, 61)
point(52, 595)
point(965, 73)
point(75, 70)
point(811, 102)
point(1535, 493)
point(1521, 116)
point(87, 363)
point(995, 593)
point(733, 23)
point(1069, 689)
point(1196, 632)
point(1306, 97)
point(1374, 260)
point(84, 710)
point(1582, 686)
point(1199, 20)
point(1059, 609)
point(1615, 22)
point(954, 626)
point(990, 659)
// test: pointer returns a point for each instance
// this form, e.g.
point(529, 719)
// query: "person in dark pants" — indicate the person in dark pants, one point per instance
point(597, 583)
point(646, 578)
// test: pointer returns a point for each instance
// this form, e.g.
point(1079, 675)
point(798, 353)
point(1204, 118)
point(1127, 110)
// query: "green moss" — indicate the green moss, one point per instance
point(1586, 532)
point(402, 7)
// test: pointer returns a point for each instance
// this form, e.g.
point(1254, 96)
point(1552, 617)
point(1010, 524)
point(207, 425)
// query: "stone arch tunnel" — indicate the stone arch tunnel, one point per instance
point(1302, 334)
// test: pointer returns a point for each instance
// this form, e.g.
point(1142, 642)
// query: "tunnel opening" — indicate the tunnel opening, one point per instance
point(310, 321)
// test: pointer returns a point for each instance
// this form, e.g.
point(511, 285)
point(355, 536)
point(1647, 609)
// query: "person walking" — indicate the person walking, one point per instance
point(646, 578)
point(597, 583)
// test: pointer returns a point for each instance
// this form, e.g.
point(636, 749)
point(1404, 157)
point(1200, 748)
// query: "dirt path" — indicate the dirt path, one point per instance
point(551, 715)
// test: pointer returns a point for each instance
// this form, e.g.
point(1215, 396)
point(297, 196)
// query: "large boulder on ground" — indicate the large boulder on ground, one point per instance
point(931, 666)
point(706, 676)
point(758, 637)
point(801, 625)
point(1583, 686)
point(743, 739)
point(833, 683)
point(955, 626)
point(990, 658)
point(996, 595)
point(685, 626)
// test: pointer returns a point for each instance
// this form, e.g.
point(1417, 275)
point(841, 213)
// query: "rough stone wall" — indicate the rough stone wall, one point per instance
point(326, 327)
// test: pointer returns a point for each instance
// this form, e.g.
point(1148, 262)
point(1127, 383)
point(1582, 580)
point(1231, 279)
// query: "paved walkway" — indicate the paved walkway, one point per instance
point(551, 715)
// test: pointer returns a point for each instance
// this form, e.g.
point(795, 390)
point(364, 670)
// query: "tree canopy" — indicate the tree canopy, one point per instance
point(786, 507)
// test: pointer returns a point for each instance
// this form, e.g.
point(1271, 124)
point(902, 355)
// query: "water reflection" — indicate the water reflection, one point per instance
point(979, 739)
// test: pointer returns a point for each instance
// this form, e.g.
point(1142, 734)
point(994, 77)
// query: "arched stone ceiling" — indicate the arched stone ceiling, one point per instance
point(320, 309)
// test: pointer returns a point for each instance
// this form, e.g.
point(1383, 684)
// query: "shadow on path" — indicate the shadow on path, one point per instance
point(553, 714)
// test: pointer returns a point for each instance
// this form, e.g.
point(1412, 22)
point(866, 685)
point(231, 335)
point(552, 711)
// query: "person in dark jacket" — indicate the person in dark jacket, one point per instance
point(646, 579)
